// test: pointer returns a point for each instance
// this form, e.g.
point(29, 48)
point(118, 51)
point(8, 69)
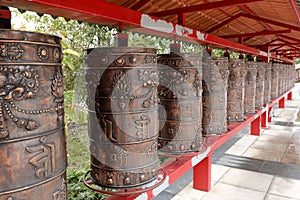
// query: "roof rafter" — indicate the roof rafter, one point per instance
point(264, 32)
point(223, 23)
point(290, 38)
point(255, 17)
point(201, 7)
point(270, 21)
point(139, 4)
point(295, 9)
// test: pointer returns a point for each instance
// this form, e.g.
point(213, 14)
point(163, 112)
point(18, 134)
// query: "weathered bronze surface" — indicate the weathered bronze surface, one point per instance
point(236, 91)
point(280, 79)
point(250, 87)
point(292, 76)
point(179, 90)
point(214, 96)
point(268, 81)
point(32, 139)
point(123, 115)
point(274, 82)
point(284, 78)
point(260, 85)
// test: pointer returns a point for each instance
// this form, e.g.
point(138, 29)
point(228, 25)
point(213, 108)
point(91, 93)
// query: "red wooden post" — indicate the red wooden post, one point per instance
point(264, 120)
point(255, 126)
point(281, 102)
point(289, 96)
point(202, 175)
point(269, 115)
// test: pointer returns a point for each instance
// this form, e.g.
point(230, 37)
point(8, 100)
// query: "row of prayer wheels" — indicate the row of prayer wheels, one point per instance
point(141, 103)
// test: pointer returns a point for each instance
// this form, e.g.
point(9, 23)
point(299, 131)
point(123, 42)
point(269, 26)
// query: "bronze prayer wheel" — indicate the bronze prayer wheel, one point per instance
point(275, 81)
point(250, 87)
point(268, 81)
point(179, 90)
point(123, 115)
point(284, 78)
point(280, 79)
point(32, 139)
point(292, 76)
point(236, 91)
point(260, 85)
point(214, 95)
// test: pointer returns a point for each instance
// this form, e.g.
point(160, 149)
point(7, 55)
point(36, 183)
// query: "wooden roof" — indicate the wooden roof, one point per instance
point(273, 24)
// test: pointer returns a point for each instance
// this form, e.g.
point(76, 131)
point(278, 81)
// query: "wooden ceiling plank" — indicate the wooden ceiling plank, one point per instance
point(201, 7)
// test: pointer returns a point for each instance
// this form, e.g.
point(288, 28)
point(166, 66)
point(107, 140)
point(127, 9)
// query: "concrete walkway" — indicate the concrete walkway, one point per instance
point(253, 168)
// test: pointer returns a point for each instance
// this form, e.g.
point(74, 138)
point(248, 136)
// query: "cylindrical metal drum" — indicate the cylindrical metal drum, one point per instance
point(284, 78)
point(260, 85)
point(123, 115)
point(236, 91)
point(280, 79)
point(250, 87)
point(274, 82)
point(292, 76)
point(32, 139)
point(179, 90)
point(268, 81)
point(214, 96)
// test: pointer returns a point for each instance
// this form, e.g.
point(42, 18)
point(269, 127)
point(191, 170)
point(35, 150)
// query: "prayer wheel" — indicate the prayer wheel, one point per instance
point(180, 94)
point(123, 115)
point(250, 87)
point(214, 95)
point(260, 85)
point(268, 81)
point(236, 91)
point(280, 79)
point(292, 76)
point(32, 139)
point(274, 82)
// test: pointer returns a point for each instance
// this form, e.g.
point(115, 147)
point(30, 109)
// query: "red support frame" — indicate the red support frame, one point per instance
point(202, 174)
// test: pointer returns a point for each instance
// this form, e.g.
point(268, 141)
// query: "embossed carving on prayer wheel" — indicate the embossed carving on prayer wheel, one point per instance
point(236, 91)
point(292, 76)
point(250, 87)
point(260, 85)
point(285, 73)
point(268, 81)
point(123, 115)
point(275, 81)
point(214, 95)
point(179, 90)
point(32, 140)
point(280, 79)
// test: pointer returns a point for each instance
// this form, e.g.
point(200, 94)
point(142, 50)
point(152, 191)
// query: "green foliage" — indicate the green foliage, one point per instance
point(161, 44)
point(76, 188)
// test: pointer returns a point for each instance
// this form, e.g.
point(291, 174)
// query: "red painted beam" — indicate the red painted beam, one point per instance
point(139, 4)
point(270, 21)
point(249, 11)
point(201, 7)
point(282, 44)
point(264, 32)
point(290, 38)
point(295, 9)
point(223, 23)
point(181, 19)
